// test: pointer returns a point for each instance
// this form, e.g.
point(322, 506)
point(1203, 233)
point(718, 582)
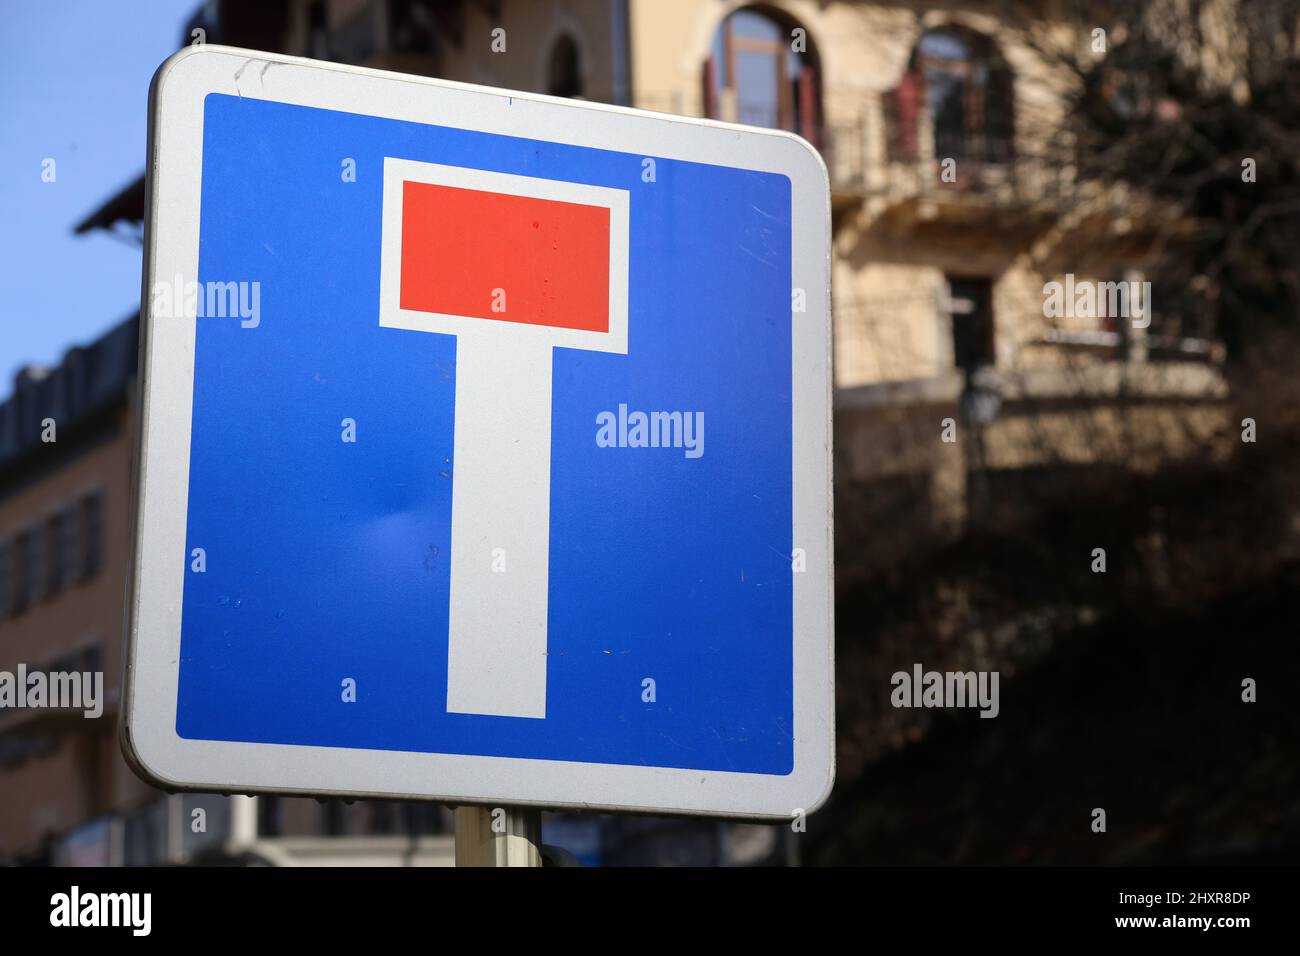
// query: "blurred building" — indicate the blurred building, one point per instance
point(955, 199)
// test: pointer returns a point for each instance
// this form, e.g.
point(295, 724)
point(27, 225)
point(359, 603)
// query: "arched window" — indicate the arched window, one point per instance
point(764, 73)
point(958, 76)
point(564, 71)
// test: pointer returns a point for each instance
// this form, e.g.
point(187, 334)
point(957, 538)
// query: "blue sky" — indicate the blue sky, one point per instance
point(76, 80)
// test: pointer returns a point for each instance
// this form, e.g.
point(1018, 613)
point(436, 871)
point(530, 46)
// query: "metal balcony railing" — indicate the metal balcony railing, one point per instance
point(885, 339)
point(871, 153)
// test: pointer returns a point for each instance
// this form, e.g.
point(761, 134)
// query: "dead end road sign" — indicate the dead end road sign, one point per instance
point(485, 448)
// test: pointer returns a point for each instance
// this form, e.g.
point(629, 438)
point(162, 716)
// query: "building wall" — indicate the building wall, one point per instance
point(85, 775)
point(531, 32)
point(464, 46)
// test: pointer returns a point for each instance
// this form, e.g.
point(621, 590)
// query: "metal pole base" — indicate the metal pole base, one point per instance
point(498, 836)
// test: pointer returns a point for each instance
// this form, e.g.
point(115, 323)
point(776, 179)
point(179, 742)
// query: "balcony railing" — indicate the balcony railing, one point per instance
point(885, 340)
point(872, 155)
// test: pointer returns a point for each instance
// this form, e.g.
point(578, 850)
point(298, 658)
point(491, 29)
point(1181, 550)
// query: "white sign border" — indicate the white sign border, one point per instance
point(156, 587)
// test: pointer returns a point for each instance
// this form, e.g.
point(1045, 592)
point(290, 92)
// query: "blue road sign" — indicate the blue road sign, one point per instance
point(485, 450)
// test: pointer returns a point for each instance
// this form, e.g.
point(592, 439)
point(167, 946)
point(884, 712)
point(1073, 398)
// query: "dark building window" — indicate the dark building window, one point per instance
point(52, 532)
point(66, 663)
point(35, 570)
point(564, 72)
point(383, 817)
point(971, 308)
point(335, 818)
point(68, 548)
point(422, 817)
point(92, 532)
point(21, 590)
point(959, 76)
point(317, 30)
point(356, 39)
point(7, 578)
point(413, 25)
point(51, 555)
point(270, 816)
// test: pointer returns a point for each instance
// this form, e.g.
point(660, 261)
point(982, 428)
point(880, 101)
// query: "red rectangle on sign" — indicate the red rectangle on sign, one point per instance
point(496, 256)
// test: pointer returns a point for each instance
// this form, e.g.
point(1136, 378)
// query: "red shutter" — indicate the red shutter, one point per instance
point(711, 88)
point(808, 127)
point(907, 110)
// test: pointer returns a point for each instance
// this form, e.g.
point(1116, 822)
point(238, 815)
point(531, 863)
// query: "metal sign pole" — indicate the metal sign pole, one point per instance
point(516, 839)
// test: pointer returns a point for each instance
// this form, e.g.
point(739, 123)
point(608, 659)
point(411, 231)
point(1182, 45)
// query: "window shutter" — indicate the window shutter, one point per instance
point(809, 128)
point(37, 571)
point(711, 88)
point(92, 520)
point(6, 578)
point(69, 523)
point(1000, 115)
point(907, 110)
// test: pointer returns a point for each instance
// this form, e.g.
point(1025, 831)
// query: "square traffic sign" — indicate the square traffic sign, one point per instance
point(485, 448)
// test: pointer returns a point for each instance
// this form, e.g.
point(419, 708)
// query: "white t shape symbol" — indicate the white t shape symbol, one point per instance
point(501, 470)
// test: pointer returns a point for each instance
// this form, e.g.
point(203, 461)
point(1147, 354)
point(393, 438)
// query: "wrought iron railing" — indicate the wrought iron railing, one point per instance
point(870, 151)
point(881, 338)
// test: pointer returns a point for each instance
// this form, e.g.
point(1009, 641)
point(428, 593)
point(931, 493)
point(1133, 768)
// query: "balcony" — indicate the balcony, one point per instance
point(899, 349)
point(895, 171)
